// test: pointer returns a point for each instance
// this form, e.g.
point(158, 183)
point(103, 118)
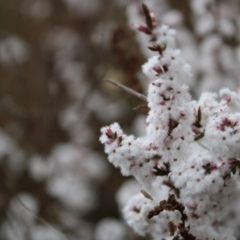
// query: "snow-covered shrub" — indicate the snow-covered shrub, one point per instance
point(187, 164)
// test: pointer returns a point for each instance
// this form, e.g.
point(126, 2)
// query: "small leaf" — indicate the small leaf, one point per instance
point(148, 17)
point(198, 118)
point(199, 136)
point(146, 195)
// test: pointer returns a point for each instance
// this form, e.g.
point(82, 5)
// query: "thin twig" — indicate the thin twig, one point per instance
point(128, 90)
point(41, 220)
point(140, 107)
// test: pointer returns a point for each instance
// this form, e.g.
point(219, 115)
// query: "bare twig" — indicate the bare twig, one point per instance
point(41, 220)
point(128, 90)
point(140, 107)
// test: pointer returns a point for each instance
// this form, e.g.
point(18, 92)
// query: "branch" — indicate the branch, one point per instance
point(128, 90)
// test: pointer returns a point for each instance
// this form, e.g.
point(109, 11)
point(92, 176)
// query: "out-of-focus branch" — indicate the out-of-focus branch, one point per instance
point(41, 220)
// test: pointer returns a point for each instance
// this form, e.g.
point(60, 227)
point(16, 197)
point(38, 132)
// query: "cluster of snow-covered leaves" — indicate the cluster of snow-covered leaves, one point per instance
point(187, 162)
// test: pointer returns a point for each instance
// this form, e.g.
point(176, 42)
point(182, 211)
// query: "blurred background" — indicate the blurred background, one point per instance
point(56, 182)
